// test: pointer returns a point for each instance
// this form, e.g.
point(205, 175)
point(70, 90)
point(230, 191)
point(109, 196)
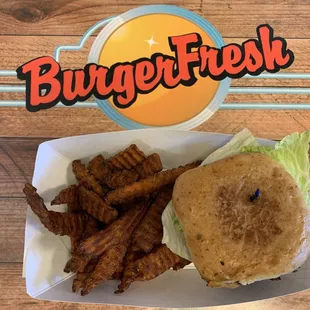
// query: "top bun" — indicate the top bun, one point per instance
point(235, 238)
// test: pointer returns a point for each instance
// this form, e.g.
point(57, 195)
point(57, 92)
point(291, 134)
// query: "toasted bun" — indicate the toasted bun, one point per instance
point(232, 239)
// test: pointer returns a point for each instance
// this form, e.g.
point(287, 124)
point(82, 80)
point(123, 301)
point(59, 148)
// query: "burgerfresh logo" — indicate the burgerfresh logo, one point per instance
point(155, 66)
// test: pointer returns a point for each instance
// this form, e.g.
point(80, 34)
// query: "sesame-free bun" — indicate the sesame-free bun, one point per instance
point(232, 239)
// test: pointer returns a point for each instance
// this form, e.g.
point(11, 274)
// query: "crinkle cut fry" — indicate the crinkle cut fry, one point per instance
point(66, 196)
point(131, 256)
point(56, 222)
point(109, 263)
point(86, 179)
point(127, 159)
point(150, 230)
point(150, 266)
point(81, 276)
point(108, 266)
point(121, 178)
point(78, 282)
point(96, 206)
point(147, 186)
point(151, 165)
point(124, 168)
point(99, 168)
point(103, 240)
point(91, 227)
point(69, 196)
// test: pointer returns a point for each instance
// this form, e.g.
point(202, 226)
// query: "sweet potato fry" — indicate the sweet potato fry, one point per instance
point(131, 256)
point(108, 264)
point(150, 266)
point(150, 230)
point(68, 266)
point(91, 227)
point(75, 241)
point(107, 238)
point(59, 223)
point(69, 196)
point(96, 207)
point(81, 276)
point(86, 179)
point(127, 159)
point(78, 263)
point(121, 178)
point(151, 165)
point(147, 186)
point(99, 168)
point(78, 282)
point(74, 207)
point(66, 196)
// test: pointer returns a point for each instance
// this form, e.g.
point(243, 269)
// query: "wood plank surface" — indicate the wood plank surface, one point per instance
point(34, 28)
point(232, 18)
point(12, 232)
point(17, 157)
point(62, 122)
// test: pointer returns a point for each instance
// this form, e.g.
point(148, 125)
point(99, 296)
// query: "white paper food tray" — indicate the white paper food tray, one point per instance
point(46, 254)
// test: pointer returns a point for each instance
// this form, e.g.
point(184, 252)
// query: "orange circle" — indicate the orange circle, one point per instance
point(142, 37)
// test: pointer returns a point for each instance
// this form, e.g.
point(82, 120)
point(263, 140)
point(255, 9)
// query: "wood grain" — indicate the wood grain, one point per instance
point(17, 158)
point(34, 28)
point(12, 221)
point(63, 122)
point(232, 18)
point(14, 296)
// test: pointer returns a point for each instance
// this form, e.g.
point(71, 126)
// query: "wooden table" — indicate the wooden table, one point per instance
point(34, 28)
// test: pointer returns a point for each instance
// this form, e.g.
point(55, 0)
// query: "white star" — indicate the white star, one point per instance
point(151, 41)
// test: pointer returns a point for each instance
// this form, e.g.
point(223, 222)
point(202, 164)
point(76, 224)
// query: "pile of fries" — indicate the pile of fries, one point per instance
point(114, 219)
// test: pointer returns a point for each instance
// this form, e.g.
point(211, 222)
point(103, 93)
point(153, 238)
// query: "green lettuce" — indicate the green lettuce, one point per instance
point(176, 223)
point(292, 153)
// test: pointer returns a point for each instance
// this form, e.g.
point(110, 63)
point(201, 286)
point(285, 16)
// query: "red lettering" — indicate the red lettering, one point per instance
point(253, 59)
point(124, 85)
point(182, 45)
point(170, 77)
point(209, 61)
point(274, 51)
point(233, 59)
point(102, 87)
point(75, 84)
point(144, 74)
point(125, 81)
point(41, 74)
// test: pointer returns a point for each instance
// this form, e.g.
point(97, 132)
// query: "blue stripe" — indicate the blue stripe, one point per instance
point(225, 106)
point(233, 90)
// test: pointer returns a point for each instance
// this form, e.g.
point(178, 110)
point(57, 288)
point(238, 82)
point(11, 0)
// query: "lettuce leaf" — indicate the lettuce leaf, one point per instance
point(292, 153)
point(173, 236)
point(176, 223)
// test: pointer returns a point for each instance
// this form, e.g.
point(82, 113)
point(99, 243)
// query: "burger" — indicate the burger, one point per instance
point(243, 215)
